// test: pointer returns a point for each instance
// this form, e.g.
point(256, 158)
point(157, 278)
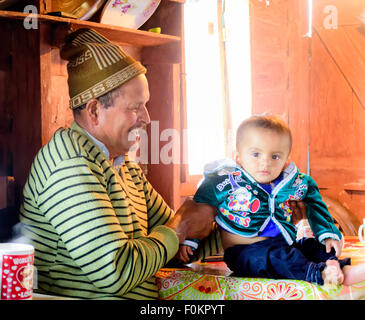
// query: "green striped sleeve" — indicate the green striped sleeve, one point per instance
point(158, 210)
point(76, 203)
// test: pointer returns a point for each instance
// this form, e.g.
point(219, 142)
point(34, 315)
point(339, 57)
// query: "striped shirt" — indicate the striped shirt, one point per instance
point(97, 232)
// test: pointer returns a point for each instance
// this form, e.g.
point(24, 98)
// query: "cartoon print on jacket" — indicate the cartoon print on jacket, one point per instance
point(299, 194)
point(240, 197)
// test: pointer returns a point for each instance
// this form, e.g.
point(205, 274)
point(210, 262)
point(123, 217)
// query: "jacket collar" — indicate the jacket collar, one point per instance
point(288, 173)
point(117, 161)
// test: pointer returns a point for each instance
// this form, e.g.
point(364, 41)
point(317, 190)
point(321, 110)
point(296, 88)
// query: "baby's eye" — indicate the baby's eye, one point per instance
point(255, 154)
point(276, 157)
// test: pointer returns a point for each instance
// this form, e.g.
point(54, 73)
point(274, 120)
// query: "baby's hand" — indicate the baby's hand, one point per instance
point(184, 252)
point(336, 244)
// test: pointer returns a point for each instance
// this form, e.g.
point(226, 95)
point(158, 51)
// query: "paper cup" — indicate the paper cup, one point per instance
point(16, 270)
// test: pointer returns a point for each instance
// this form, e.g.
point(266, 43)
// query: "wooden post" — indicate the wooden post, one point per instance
point(164, 109)
point(25, 90)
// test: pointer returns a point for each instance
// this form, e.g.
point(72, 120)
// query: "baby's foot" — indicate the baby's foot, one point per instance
point(354, 274)
point(332, 273)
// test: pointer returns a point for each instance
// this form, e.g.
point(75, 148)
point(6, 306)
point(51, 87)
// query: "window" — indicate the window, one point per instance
point(218, 77)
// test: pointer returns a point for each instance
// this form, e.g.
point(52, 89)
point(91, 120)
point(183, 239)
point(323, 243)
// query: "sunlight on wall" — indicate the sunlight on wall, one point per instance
point(238, 60)
point(204, 90)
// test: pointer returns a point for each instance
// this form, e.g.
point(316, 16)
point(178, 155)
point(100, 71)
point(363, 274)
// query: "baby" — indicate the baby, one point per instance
point(254, 216)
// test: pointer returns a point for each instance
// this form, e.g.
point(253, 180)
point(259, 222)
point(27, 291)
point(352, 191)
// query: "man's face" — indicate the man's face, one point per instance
point(263, 153)
point(118, 123)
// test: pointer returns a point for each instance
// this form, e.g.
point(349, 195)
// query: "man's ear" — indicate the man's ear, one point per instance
point(93, 111)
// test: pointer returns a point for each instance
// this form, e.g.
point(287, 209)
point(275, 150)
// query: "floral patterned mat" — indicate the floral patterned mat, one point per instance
point(211, 281)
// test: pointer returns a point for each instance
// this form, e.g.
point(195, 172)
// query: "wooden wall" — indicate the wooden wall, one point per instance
point(5, 102)
point(164, 75)
point(33, 98)
point(318, 84)
point(280, 67)
point(21, 101)
point(337, 117)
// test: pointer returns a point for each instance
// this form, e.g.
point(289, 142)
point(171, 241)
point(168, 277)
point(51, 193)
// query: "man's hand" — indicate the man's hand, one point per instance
point(299, 211)
point(184, 253)
point(193, 220)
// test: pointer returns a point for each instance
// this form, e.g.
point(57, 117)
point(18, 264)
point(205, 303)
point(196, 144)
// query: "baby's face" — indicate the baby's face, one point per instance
point(263, 153)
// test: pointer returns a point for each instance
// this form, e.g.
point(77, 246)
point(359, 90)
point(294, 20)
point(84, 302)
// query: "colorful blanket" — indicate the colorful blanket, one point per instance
point(212, 281)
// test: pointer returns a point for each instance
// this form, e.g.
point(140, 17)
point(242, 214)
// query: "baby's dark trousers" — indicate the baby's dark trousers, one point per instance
point(274, 258)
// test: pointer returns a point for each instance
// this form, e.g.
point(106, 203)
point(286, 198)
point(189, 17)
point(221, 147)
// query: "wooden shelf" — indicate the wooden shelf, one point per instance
point(120, 35)
point(355, 186)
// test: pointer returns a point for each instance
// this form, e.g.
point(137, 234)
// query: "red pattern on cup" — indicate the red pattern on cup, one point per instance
point(17, 277)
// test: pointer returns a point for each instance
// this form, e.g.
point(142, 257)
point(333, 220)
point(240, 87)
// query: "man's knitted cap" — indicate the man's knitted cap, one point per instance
point(96, 66)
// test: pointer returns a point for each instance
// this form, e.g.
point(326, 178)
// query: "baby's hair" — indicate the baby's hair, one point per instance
point(264, 121)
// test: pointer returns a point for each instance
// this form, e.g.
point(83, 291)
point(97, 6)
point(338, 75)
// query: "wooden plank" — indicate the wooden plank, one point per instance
point(115, 34)
point(346, 46)
point(167, 53)
point(271, 72)
point(269, 61)
point(345, 178)
point(355, 186)
point(337, 118)
point(25, 138)
point(164, 105)
point(47, 108)
point(332, 135)
point(298, 84)
point(54, 88)
point(5, 100)
point(168, 16)
point(280, 67)
point(127, 36)
point(356, 36)
point(5, 65)
point(5, 54)
point(269, 33)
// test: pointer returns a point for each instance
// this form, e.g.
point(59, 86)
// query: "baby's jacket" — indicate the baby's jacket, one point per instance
point(245, 208)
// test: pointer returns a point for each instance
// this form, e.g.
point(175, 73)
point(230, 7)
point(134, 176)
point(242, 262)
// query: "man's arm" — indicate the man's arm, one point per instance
point(298, 211)
point(76, 203)
point(193, 220)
